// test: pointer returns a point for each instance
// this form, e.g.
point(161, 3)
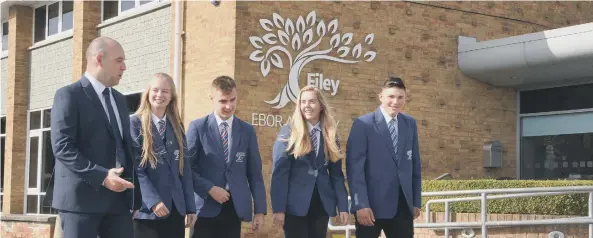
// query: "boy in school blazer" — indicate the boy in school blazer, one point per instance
point(226, 168)
point(383, 167)
point(164, 171)
point(307, 179)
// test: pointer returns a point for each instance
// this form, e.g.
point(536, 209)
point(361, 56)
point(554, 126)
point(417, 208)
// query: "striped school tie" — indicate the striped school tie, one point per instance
point(224, 135)
point(162, 127)
point(314, 139)
point(393, 131)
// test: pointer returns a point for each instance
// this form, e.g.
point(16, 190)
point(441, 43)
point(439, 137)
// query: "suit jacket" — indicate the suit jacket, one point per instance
point(375, 172)
point(163, 183)
point(243, 173)
point(293, 180)
point(84, 146)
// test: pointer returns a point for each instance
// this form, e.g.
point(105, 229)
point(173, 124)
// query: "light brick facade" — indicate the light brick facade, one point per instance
point(50, 68)
point(146, 41)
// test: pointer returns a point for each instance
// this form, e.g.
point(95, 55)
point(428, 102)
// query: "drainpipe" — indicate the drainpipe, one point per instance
point(177, 52)
point(177, 57)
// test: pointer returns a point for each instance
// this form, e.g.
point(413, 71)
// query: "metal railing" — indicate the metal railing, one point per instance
point(483, 198)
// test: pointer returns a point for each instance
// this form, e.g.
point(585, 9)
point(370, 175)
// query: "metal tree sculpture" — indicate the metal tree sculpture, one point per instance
point(301, 37)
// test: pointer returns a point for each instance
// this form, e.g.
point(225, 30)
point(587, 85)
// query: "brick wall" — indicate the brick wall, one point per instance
point(3, 80)
point(418, 41)
point(26, 226)
point(146, 41)
point(50, 68)
point(209, 51)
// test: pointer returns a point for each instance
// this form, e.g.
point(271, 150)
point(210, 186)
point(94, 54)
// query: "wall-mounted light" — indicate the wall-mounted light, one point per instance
point(215, 2)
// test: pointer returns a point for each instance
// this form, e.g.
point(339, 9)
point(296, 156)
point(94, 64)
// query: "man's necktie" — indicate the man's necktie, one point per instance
point(393, 131)
point(119, 148)
point(224, 135)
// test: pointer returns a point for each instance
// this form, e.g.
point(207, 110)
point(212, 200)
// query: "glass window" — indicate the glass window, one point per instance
point(2, 147)
point(33, 156)
point(112, 8)
point(556, 99)
point(4, 36)
point(67, 15)
point(41, 162)
point(127, 4)
point(40, 23)
point(35, 120)
point(133, 102)
point(52, 19)
point(568, 156)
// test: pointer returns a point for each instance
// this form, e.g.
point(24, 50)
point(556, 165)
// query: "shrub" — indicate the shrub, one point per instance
point(570, 204)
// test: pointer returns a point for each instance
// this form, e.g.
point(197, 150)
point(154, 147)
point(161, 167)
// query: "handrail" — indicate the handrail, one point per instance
point(483, 197)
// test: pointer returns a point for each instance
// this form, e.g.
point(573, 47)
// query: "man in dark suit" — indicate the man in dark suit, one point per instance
point(383, 167)
point(95, 187)
point(226, 167)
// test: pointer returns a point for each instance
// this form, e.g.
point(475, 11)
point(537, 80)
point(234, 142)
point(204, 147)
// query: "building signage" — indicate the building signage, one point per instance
point(290, 45)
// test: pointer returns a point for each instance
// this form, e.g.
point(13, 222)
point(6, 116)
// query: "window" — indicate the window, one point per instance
point(113, 8)
point(133, 102)
point(2, 143)
point(4, 36)
point(556, 99)
point(52, 19)
point(40, 162)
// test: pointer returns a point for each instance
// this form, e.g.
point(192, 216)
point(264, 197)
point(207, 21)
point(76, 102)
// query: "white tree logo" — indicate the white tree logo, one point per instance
point(303, 37)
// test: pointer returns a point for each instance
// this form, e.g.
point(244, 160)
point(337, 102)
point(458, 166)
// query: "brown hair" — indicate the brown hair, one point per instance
point(394, 82)
point(224, 83)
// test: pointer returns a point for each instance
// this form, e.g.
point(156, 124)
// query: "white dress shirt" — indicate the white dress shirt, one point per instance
point(99, 87)
point(155, 120)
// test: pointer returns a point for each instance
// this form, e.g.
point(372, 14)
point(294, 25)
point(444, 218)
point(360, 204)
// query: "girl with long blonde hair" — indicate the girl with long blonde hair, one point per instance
point(307, 179)
point(164, 174)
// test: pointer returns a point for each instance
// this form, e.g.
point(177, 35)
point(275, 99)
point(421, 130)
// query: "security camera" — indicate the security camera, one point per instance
point(215, 2)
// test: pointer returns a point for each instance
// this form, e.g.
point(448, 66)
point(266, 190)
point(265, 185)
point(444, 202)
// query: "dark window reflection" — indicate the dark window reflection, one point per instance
point(32, 204)
point(47, 161)
point(557, 99)
point(33, 158)
point(557, 156)
point(133, 102)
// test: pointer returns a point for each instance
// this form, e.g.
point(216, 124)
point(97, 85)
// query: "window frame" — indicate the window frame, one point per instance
point(60, 24)
point(2, 171)
point(3, 52)
point(137, 7)
point(39, 134)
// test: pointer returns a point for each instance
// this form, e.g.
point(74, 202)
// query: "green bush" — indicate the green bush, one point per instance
point(571, 204)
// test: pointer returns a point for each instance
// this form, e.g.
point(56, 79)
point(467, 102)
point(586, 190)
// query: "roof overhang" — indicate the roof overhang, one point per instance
point(554, 57)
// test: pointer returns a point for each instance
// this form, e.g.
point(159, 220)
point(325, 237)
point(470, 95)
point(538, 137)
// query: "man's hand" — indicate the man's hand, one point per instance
point(134, 213)
point(342, 218)
point(190, 219)
point(416, 212)
point(114, 183)
point(219, 194)
point(279, 219)
point(258, 222)
point(365, 217)
point(160, 209)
